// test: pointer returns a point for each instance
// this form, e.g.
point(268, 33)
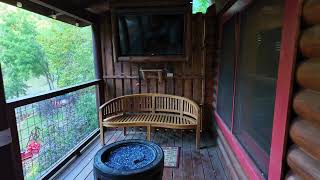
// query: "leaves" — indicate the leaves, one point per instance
point(33, 46)
point(201, 6)
point(20, 53)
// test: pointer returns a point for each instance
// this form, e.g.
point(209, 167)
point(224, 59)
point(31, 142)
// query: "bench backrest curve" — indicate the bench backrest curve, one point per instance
point(151, 103)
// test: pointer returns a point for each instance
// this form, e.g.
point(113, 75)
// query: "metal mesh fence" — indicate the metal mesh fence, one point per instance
point(49, 129)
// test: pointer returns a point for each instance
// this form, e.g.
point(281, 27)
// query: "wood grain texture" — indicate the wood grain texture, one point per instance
point(188, 77)
point(231, 170)
point(310, 42)
point(306, 104)
point(304, 156)
point(302, 164)
point(240, 174)
point(151, 110)
point(210, 166)
point(106, 37)
point(311, 12)
point(306, 136)
point(308, 74)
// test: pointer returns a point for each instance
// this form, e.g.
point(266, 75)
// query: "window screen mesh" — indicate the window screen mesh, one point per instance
point(256, 78)
point(225, 89)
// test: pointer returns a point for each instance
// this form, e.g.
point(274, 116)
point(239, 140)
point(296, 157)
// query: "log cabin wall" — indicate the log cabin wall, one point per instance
point(303, 156)
point(189, 80)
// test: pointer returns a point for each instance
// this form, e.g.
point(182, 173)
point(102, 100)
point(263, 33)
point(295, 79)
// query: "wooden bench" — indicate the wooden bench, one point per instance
point(150, 110)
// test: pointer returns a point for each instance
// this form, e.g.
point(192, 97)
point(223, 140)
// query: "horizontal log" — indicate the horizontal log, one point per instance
point(227, 160)
point(302, 164)
point(310, 42)
point(230, 155)
point(307, 105)
point(307, 136)
point(311, 12)
point(308, 74)
point(292, 176)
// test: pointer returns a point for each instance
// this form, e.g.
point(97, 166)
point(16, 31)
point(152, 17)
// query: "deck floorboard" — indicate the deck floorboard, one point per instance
point(193, 164)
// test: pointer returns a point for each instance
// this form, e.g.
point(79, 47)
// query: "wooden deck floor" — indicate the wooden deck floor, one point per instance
point(206, 163)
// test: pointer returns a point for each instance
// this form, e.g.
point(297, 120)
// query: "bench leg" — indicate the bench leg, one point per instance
point(149, 133)
point(125, 131)
point(101, 129)
point(201, 115)
point(102, 136)
point(198, 137)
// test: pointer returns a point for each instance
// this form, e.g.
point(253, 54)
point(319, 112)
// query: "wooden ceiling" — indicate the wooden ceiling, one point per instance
point(75, 12)
point(83, 12)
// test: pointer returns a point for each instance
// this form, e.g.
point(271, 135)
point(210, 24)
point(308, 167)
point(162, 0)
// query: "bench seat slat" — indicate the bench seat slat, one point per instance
point(149, 118)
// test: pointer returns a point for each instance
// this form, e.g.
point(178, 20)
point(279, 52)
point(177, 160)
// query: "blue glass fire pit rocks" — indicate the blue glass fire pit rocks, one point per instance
point(129, 159)
point(130, 156)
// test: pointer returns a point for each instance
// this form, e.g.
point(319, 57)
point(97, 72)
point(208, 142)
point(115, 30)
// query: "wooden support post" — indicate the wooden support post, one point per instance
point(203, 69)
point(100, 98)
point(10, 163)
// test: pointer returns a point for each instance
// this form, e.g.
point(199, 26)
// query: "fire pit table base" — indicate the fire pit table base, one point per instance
point(129, 160)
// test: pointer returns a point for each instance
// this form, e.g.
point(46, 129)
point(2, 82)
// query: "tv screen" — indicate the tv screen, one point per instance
point(150, 34)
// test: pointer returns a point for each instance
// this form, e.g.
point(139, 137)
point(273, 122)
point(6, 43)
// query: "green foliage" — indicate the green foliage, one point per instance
point(201, 6)
point(32, 46)
point(82, 110)
point(68, 53)
point(20, 54)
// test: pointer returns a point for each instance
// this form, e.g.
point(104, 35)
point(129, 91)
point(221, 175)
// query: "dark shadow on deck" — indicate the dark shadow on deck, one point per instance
point(205, 163)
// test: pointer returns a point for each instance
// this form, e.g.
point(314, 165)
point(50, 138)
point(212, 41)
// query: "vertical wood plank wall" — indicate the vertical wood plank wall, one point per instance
point(191, 79)
point(303, 156)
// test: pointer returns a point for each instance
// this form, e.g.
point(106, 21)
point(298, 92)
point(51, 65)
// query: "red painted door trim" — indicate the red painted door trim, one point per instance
point(289, 37)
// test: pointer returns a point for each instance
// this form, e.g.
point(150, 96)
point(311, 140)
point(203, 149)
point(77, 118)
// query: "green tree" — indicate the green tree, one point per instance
point(33, 46)
point(68, 52)
point(20, 53)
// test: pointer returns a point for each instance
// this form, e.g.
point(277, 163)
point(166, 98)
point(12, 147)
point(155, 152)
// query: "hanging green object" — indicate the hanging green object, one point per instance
point(201, 6)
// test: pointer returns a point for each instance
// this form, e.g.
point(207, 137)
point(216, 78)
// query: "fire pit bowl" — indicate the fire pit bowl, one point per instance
point(129, 159)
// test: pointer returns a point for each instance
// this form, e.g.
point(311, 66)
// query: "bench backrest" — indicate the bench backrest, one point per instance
point(151, 103)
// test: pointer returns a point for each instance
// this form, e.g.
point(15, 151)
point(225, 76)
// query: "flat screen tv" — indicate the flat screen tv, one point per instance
point(150, 33)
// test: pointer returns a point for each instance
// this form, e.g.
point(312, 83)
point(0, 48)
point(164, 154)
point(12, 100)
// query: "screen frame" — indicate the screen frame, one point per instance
point(287, 61)
point(151, 58)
